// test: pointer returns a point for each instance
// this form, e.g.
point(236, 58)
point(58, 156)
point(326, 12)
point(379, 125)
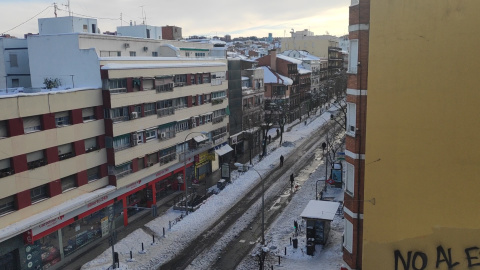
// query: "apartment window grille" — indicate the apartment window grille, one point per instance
point(121, 142)
point(36, 159)
point(68, 183)
point(65, 151)
point(149, 109)
point(7, 205)
point(62, 119)
point(88, 114)
point(91, 144)
point(150, 134)
point(93, 174)
point(31, 124)
point(38, 193)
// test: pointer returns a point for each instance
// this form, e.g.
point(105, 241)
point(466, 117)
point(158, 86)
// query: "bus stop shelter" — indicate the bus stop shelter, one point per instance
point(318, 216)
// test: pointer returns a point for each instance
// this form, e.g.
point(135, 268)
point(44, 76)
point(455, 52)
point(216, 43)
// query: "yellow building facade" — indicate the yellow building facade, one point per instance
point(422, 147)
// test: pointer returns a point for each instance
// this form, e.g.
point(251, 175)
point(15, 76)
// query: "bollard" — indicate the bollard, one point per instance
point(169, 225)
point(163, 231)
point(290, 241)
point(153, 238)
point(142, 247)
point(131, 255)
point(285, 251)
point(278, 260)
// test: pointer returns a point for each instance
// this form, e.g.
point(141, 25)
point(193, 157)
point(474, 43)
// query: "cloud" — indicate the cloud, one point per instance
point(207, 17)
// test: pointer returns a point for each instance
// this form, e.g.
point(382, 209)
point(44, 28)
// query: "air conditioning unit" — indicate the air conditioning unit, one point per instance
point(134, 115)
point(145, 49)
point(127, 45)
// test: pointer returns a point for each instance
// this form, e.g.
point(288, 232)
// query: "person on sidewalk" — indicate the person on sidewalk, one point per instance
point(281, 161)
point(292, 180)
point(269, 138)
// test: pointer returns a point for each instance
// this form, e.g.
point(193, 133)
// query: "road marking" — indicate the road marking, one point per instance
point(251, 243)
point(242, 241)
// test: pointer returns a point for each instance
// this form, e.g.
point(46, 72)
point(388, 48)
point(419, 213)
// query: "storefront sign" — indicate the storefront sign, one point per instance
point(28, 237)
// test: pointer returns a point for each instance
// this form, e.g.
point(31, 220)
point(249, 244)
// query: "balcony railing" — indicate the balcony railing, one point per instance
point(151, 112)
point(217, 120)
point(123, 173)
point(118, 91)
point(120, 118)
point(91, 149)
point(66, 156)
point(6, 172)
point(168, 87)
point(179, 84)
point(168, 158)
point(121, 147)
point(165, 112)
point(217, 101)
point(36, 163)
point(216, 82)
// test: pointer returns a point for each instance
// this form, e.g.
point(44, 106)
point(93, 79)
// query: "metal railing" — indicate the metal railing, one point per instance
point(165, 112)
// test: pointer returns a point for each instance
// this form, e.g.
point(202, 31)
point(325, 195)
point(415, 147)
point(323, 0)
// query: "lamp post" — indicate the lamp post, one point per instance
point(185, 167)
point(316, 190)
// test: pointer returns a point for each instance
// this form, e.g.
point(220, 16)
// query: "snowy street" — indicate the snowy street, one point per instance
point(190, 227)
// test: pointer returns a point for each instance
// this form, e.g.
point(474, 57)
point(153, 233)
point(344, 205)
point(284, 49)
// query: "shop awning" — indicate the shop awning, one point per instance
point(200, 138)
point(223, 150)
point(324, 210)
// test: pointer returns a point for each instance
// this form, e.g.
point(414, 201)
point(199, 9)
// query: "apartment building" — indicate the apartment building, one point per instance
point(14, 66)
point(298, 84)
point(115, 133)
point(411, 182)
point(357, 73)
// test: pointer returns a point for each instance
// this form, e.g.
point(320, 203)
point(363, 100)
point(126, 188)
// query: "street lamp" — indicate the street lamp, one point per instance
point(185, 166)
point(316, 190)
point(263, 198)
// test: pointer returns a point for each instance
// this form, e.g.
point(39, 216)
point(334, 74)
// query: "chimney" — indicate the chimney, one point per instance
point(273, 59)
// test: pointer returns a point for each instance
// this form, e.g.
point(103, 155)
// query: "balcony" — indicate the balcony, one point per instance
point(204, 146)
point(121, 147)
point(165, 112)
point(168, 158)
point(120, 119)
point(6, 172)
point(118, 91)
point(217, 101)
point(217, 120)
point(123, 173)
point(164, 88)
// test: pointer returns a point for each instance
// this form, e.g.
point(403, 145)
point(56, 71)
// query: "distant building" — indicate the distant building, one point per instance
point(171, 32)
point(140, 31)
point(70, 24)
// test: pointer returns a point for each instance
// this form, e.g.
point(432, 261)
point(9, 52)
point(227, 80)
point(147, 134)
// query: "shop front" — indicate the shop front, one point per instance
point(203, 166)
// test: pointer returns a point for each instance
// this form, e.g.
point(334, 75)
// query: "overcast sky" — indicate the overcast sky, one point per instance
point(207, 17)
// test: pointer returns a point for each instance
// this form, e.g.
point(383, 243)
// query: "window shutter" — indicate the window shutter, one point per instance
point(66, 148)
point(3, 129)
point(29, 122)
point(88, 112)
point(90, 142)
point(4, 163)
point(37, 155)
point(61, 114)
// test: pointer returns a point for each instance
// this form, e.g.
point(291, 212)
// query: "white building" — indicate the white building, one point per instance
point(140, 31)
point(70, 24)
point(14, 66)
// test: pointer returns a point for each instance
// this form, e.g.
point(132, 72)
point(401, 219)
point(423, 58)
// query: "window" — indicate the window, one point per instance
point(155, 54)
point(39, 193)
point(187, 54)
point(348, 235)
point(353, 56)
point(117, 83)
point(168, 155)
point(5, 168)
point(65, 151)
point(88, 114)
point(122, 170)
point(93, 174)
point(31, 124)
point(139, 136)
point(149, 109)
point(151, 134)
point(7, 205)
point(180, 80)
point(350, 179)
point(351, 119)
point(148, 84)
point(62, 119)
point(182, 125)
point(218, 95)
point(117, 114)
point(206, 78)
point(121, 142)
point(68, 183)
point(13, 60)
point(35, 159)
point(141, 163)
point(152, 159)
point(133, 53)
point(85, 28)
point(91, 144)
point(15, 83)
point(3, 129)
point(166, 131)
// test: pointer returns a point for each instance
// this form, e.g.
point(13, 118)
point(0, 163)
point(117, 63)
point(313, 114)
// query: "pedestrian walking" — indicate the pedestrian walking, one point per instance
point(295, 225)
point(278, 132)
point(292, 180)
point(269, 138)
point(281, 160)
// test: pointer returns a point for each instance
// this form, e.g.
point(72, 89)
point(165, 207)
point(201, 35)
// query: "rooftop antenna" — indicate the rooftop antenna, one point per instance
point(121, 19)
point(144, 16)
point(55, 9)
point(68, 7)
